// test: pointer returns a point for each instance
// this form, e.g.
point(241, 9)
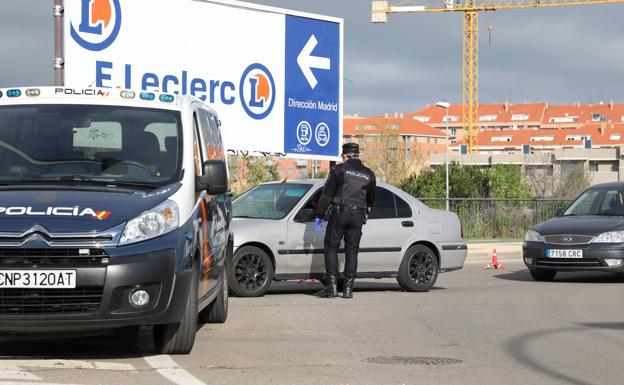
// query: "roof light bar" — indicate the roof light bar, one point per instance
point(14, 93)
point(147, 96)
point(32, 92)
point(167, 98)
point(127, 94)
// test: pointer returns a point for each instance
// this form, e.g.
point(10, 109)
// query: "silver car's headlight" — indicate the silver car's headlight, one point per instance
point(533, 236)
point(153, 223)
point(610, 237)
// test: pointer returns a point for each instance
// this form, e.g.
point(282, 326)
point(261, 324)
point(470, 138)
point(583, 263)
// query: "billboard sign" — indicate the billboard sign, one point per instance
point(273, 75)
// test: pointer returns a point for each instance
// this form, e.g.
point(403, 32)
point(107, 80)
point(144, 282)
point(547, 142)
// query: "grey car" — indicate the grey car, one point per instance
point(275, 238)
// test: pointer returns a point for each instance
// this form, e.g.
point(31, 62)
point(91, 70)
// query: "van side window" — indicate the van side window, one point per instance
point(197, 152)
point(207, 131)
point(216, 134)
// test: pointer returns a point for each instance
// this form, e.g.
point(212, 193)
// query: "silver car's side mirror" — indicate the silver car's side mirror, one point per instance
point(305, 215)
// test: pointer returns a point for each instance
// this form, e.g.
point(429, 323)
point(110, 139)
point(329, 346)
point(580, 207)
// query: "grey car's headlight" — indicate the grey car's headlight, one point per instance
point(153, 223)
point(533, 236)
point(610, 237)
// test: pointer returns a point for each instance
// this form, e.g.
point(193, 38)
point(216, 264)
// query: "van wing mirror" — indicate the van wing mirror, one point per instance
point(559, 211)
point(214, 180)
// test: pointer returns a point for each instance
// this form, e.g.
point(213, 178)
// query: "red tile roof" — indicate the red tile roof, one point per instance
point(600, 134)
point(357, 126)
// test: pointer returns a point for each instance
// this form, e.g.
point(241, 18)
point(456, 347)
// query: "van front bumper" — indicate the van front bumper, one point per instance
point(595, 257)
point(108, 286)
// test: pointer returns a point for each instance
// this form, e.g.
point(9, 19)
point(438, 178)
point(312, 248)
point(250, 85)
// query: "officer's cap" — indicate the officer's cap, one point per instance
point(350, 148)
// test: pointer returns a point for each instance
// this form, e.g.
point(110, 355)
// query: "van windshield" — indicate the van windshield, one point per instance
point(89, 143)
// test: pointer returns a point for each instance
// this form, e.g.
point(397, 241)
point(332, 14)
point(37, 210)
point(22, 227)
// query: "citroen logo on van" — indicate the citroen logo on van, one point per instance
point(566, 239)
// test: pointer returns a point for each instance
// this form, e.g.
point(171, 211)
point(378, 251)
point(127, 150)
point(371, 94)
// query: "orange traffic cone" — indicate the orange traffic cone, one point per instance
point(494, 264)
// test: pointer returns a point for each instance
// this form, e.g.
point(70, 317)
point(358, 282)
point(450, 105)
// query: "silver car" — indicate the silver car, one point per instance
point(275, 238)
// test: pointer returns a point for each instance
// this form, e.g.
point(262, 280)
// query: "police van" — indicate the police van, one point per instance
point(114, 213)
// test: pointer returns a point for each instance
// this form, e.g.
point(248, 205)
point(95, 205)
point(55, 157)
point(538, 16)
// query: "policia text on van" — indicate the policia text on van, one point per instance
point(114, 214)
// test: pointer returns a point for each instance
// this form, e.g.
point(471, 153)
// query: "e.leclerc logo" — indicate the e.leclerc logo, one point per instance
point(99, 24)
point(257, 91)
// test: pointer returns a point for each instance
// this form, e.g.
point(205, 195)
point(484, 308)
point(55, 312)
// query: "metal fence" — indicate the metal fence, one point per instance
point(484, 218)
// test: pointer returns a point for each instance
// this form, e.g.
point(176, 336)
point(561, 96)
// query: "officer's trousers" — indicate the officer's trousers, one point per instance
point(347, 225)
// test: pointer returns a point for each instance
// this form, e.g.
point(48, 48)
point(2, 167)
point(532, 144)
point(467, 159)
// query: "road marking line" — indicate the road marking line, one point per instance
point(14, 373)
point(66, 364)
point(31, 383)
point(169, 369)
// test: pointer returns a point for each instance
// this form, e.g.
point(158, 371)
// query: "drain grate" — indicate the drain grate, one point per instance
point(423, 361)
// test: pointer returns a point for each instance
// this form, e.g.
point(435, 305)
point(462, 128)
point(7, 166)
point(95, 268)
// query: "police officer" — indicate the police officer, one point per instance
point(347, 197)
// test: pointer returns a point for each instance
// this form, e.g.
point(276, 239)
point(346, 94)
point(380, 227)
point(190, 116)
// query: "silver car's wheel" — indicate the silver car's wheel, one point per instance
point(251, 273)
point(419, 269)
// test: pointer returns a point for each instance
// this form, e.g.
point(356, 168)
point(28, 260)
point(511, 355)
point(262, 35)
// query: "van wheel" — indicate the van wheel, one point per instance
point(419, 269)
point(543, 275)
point(217, 311)
point(252, 272)
point(179, 338)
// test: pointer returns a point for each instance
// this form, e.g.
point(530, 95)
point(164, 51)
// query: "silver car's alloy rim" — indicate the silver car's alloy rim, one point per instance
point(251, 272)
point(421, 268)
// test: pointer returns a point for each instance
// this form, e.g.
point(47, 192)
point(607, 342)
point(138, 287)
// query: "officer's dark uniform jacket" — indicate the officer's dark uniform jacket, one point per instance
point(350, 186)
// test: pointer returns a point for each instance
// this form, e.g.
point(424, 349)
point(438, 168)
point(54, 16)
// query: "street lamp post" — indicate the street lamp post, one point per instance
point(446, 106)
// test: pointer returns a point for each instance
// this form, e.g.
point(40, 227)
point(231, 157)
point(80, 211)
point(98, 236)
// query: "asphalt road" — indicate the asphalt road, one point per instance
point(476, 327)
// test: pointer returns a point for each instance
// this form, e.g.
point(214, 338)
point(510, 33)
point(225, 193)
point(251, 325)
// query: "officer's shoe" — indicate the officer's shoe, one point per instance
point(348, 288)
point(331, 290)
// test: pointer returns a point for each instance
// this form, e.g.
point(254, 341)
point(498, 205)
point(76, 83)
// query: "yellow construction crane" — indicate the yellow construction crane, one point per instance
point(471, 9)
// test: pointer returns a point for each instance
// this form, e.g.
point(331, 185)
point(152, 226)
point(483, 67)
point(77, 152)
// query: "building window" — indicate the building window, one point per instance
point(599, 118)
point(616, 137)
point(578, 137)
point(450, 118)
point(362, 127)
point(517, 117)
point(564, 119)
point(502, 138)
point(487, 118)
point(542, 138)
point(423, 119)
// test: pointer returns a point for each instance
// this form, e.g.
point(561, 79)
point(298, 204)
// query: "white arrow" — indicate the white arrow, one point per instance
point(306, 61)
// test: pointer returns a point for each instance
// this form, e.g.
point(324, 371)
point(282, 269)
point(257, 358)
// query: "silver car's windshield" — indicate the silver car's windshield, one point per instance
point(598, 202)
point(89, 144)
point(270, 201)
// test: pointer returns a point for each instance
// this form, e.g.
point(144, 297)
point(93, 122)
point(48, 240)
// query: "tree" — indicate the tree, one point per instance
point(507, 181)
point(247, 172)
point(387, 155)
point(464, 182)
point(575, 182)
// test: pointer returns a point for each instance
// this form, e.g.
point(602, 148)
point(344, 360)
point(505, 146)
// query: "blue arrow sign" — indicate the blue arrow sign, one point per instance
point(312, 91)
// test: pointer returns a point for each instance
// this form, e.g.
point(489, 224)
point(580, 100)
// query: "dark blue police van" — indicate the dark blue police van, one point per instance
point(114, 214)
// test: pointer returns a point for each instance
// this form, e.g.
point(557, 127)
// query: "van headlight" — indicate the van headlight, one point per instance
point(610, 237)
point(533, 236)
point(153, 223)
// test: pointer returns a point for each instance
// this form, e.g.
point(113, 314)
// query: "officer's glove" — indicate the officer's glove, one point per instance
point(318, 224)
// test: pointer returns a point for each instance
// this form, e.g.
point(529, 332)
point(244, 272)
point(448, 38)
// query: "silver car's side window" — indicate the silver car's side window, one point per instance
point(384, 205)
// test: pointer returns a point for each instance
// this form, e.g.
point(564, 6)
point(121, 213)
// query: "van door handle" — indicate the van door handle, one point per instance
point(407, 224)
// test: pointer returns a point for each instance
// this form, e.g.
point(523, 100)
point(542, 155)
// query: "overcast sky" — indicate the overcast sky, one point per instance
point(559, 55)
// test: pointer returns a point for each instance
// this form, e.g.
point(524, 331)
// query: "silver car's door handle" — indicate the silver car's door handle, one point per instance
point(407, 224)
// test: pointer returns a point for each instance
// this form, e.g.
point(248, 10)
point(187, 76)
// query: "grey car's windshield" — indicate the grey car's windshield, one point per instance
point(270, 201)
point(598, 202)
point(89, 144)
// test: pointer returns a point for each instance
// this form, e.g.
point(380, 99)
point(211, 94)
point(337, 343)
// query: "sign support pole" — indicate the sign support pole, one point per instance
point(59, 62)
